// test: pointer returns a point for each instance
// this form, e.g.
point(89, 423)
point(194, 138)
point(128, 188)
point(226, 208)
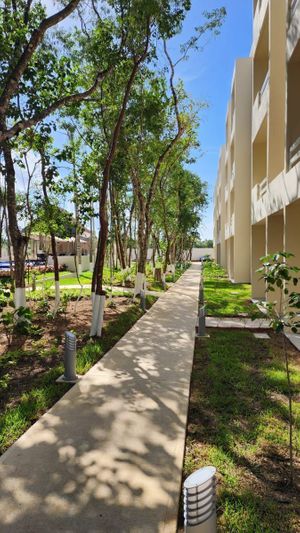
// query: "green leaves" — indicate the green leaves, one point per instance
point(279, 275)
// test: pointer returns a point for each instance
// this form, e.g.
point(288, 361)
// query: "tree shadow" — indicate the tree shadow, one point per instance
point(108, 456)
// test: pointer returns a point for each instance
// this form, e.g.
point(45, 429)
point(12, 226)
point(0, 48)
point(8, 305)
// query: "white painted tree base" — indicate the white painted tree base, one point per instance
point(139, 284)
point(171, 268)
point(57, 294)
point(20, 297)
point(100, 315)
point(97, 316)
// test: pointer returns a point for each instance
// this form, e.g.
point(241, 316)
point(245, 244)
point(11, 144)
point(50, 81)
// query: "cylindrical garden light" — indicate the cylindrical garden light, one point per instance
point(199, 492)
point(69, 359)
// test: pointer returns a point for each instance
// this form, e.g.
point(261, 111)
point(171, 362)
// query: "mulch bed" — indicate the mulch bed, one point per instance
point(28, 358)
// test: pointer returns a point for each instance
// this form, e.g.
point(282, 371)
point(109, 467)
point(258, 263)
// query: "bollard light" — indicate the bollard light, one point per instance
point(69, 359)
point(143, 300)
point(201, 295)
point(201, 323)
point(199, 495)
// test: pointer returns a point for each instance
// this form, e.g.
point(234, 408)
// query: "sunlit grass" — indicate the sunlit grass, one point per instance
point(224, 298)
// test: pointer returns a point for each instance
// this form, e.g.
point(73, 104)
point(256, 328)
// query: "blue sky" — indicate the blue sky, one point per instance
point(207, 76)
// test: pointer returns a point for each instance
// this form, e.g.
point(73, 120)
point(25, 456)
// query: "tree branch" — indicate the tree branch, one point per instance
point(36, 38)
point(65, 101)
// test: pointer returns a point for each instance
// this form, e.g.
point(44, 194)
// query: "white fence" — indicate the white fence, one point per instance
point(69, 261)
point(197, 253)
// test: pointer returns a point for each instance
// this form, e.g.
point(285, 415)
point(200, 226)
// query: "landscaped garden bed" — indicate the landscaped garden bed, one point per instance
point(30, 364)
point(117, 277)
point(238, 422)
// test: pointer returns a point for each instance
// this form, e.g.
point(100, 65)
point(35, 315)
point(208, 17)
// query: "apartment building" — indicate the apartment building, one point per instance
point(274, 197)
point(232, 206)
point(219, 212)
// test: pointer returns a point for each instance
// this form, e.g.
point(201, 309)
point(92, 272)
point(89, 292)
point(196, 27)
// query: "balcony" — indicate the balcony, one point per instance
point(226, 193)
point(293, 33)
point(232, 177)
point(229, 228)
point(294, 153)
point(259, 18)
point(279, 193)
point(294, 4)
point(260, 106)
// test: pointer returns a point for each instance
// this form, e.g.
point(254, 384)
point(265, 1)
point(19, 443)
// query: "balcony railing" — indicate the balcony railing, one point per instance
point(292, 10)
point(226, 193)
point(229, 227)
point(232, 224)
point(263, 88)
point(294, 153)
point(263, 187)
point(232, 177)
point(258, 7)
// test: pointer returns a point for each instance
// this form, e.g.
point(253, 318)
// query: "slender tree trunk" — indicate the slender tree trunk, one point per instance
point(91, 243)
point(56, 270)
point(95, 270)
point(18, 241)
point(153, 254)
point(52, 234)
point(98, 307)
point(167, 256)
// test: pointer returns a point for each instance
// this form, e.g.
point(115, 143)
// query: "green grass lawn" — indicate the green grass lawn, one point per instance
point(86, 278)
point(24, 410)
point(224, 298)
point(238, 422)
point(48, 276)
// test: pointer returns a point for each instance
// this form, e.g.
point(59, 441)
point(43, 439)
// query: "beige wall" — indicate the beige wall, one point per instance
point(233, 189)
point(258, 249)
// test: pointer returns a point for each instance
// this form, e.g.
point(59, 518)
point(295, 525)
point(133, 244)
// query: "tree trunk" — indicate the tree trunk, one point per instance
point(18, 241)
point(91, 244)
point(56, 270)
point(52, 234)
point(167, 256)
point(98, 306)
point(1, 230)
point(153, 254)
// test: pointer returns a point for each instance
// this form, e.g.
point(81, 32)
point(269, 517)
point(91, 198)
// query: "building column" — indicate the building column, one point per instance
point(292, 225)
point(275, 243)
point(258, 250)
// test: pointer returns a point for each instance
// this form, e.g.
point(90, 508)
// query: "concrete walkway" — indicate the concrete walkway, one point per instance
point(108, 456)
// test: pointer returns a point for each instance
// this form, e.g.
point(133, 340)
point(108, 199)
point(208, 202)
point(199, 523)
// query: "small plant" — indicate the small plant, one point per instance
point(43, 306)
point(64, 302)
point(20, 321)
point(283, 313)
point(111, 304)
